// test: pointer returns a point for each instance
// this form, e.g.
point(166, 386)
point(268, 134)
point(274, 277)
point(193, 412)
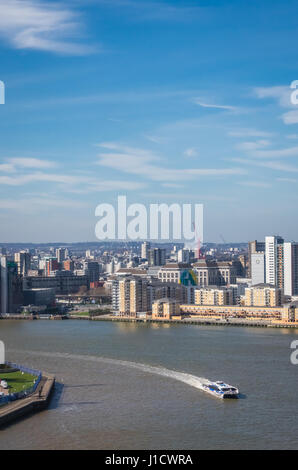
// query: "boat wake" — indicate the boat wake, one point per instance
point(189, 379)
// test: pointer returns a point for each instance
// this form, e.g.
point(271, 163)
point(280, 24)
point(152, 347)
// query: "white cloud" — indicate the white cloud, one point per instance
point(191, 152)
point(32, 163)
point(291, 117)
point(281, 93)
point(255, 184)
point(272, 165)
point(217, 106)
point(142, 163)
point(287, 152)
point(288, 180)
point(253, 145)
point(32, 24)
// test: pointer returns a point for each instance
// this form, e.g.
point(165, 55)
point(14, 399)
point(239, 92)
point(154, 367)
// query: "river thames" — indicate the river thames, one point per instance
point(137, 386)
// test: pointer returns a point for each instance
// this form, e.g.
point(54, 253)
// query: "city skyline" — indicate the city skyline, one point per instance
point(145, 99)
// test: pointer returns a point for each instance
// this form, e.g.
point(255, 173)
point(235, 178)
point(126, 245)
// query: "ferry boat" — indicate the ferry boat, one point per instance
point(221, 390)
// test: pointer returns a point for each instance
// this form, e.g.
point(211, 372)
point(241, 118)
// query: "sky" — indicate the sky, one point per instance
point(162, 101)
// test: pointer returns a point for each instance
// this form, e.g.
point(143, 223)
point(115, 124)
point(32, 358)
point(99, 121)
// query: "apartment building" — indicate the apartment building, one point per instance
point(263, 295)
point(214, 296)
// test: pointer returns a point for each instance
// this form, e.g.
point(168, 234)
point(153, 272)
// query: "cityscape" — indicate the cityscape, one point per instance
point(256, 282)
point(149, 230)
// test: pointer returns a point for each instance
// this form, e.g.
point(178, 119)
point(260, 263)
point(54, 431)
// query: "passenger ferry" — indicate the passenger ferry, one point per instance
point(221, 390)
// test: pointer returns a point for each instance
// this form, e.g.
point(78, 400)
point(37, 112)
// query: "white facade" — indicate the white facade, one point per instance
point(257, 268)
point(271, 258)
point(291, 269)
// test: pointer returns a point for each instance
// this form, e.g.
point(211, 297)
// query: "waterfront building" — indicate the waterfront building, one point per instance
point(45, 296)
point(132, 296)
point(11, 294)
point(165, 309)
point(263, 295)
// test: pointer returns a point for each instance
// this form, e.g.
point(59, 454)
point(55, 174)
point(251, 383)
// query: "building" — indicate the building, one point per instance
point(132, 296)
point(63, 282)
point(45, 296)
point(185, 256)
point(51, 265)
point(290, 268)
point(91, 270)
point(257, 266)
point(68, 265)
point(214, 296)
point(215, 273)
point(23, 260)
point(61, 254)
point(165, 309)
point(263, 295)
point(274, 260)
point(11, 293)
point(157, 256)
point(145, 250)
point(253, 247)
point(181, 273)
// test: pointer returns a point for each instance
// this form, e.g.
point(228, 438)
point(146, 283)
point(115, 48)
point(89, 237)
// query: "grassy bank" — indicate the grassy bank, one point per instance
point(18, 381)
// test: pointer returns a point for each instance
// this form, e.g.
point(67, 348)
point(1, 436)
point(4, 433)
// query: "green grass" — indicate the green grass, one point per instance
point(18, 381)
point(83, 314)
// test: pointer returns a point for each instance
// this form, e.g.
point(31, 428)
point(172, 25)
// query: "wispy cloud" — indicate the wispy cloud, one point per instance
point(247, 146)
point(216, 106)
point(255, 184)
point(32, 24)
point(249, 133)
point(272, 165)
point(32, 163)
point(146, 164)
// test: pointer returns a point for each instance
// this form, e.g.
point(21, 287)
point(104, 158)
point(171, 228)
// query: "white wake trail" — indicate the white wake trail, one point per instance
point(188, 379)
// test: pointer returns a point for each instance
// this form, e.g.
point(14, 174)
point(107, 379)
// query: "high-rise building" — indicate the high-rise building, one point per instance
point(257, 267)
point(274, 260)
point(157, 256)
point(290, 258)
point(145, 250)
point(253, 247)
point(61, 254)
point(133, 296)
point(23, 260)
point(11, 293)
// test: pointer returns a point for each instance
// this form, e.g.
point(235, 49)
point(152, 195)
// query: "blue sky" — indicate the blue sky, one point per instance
point(164, 101)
